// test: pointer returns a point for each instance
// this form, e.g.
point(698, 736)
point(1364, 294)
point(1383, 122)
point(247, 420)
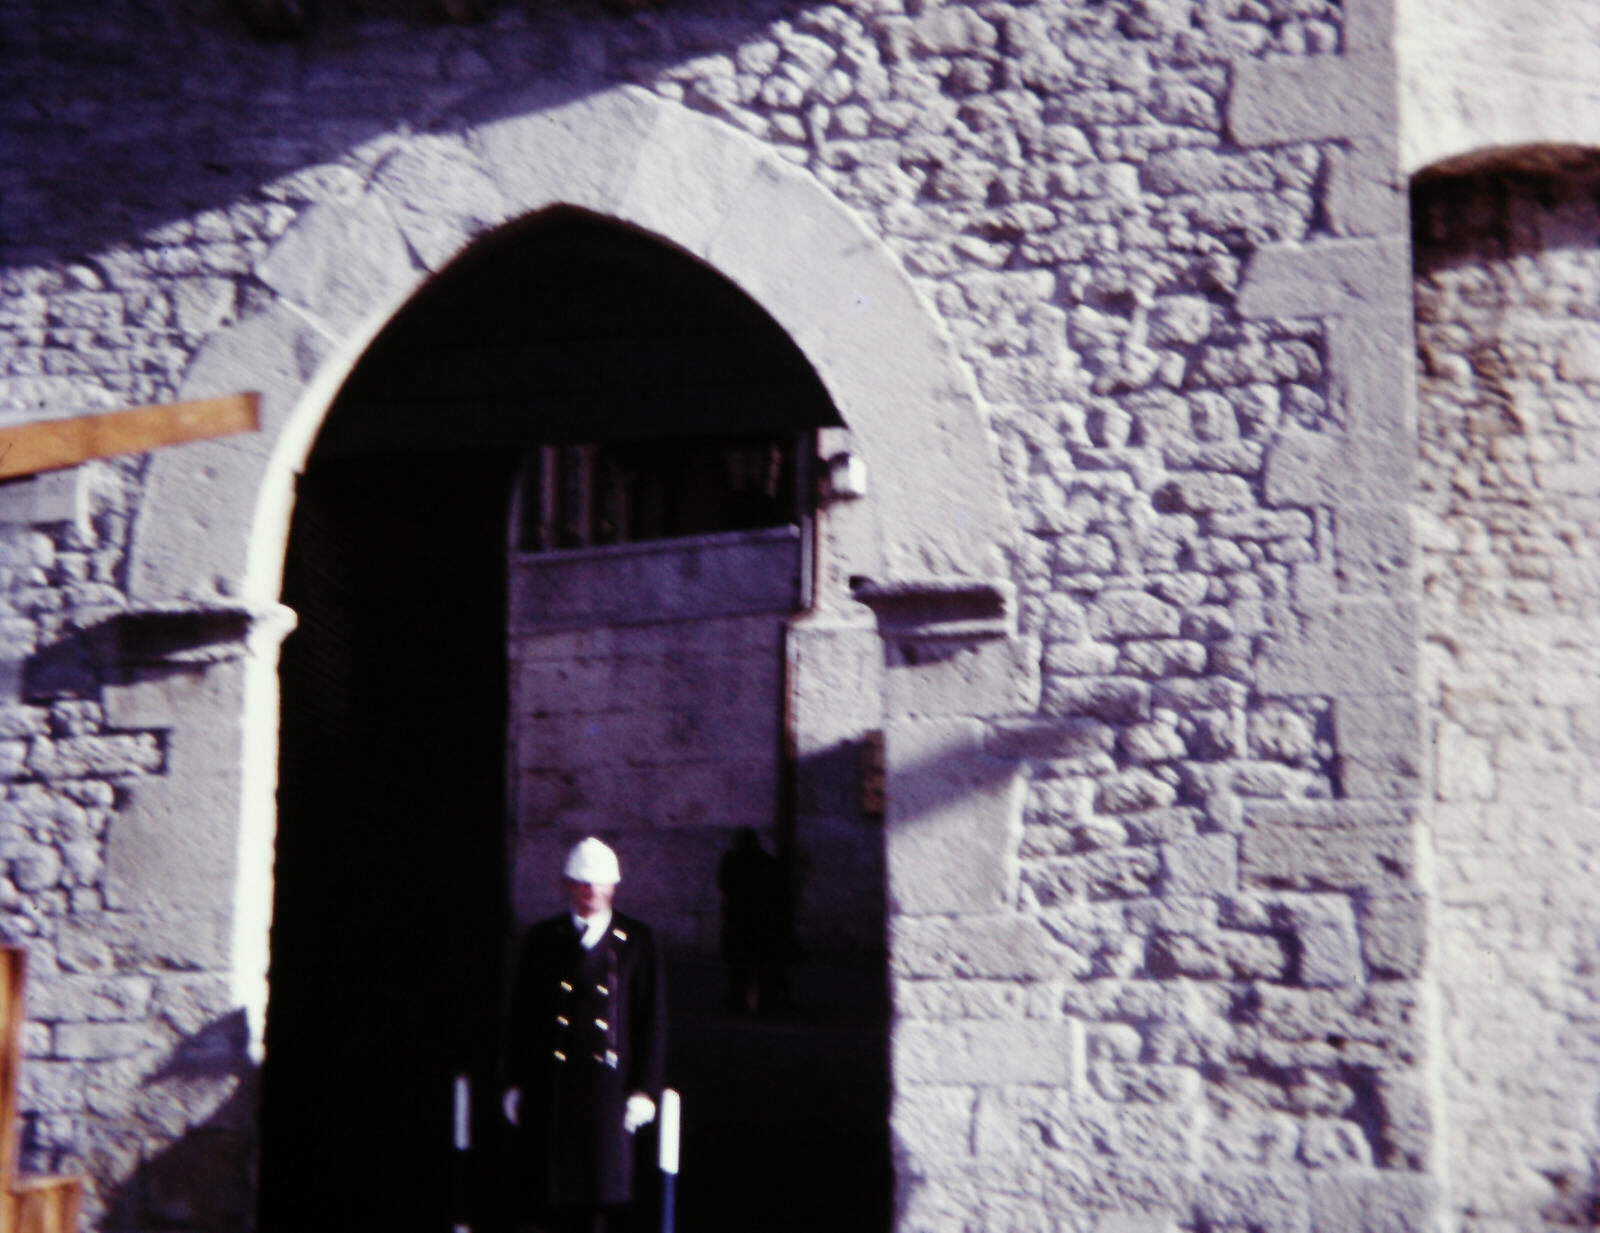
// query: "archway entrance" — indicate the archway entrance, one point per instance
point(532, 414)
point(1507, 261)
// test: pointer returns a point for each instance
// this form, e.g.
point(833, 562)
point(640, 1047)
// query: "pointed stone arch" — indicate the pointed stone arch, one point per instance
point(344, 269)
point(914, 563)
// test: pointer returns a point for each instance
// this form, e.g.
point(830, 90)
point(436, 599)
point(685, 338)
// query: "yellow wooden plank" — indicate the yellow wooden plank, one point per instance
point(42, 1205)
point(13, 965)
point(47, 445)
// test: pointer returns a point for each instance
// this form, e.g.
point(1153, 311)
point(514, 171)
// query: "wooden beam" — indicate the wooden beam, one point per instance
point(42, 1204)
point(47, 445)
point(13, 966)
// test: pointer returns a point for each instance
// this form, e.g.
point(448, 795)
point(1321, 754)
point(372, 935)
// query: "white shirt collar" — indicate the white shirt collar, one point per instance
point(592, 930)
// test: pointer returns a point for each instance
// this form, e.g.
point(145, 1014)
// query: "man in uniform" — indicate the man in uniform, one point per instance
point(587, 1050)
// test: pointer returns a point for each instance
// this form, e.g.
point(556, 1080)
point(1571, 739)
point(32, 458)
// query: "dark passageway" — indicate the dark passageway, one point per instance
point(588, 347)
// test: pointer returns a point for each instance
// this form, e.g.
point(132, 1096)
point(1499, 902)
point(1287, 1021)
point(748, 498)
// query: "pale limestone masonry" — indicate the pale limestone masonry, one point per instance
point(646, 710)
point(1114, 298)
point(1508, 308)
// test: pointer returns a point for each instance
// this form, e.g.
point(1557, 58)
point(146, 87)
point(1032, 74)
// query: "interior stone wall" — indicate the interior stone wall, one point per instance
point(647, 709)
point(1508, 312)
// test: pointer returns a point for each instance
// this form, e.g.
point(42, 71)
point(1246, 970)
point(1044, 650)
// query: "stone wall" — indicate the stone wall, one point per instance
point(647, 708)
point(1508, 309)
point(1480, 77)
point(1155, 883)
point(134, 1032)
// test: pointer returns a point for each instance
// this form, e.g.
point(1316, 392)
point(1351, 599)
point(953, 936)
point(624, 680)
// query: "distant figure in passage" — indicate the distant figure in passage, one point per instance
point(587, 1050)
point(754, 923)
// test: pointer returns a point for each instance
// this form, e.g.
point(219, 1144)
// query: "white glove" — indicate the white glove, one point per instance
point(511, 1103)
point(641, 1111)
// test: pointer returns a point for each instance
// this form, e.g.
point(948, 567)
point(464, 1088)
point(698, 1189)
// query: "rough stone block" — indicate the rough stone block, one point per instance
point(1344, 858)
point(1222, 956)
point(1328, 948)
point(1132, 614)
point(1204, 492)
point(1144, 1083)
point(986, 1051)
point(1309, 98)
point(99, 1042)
point(100, 756)
point(1200, 865)
point(1114, 700)
point(1163, 657)
point(1275, 1200)
point(954, 819)
point(1132, 791)
point(1153, 743)
point(998, 947)
point(1117, 874)
point(934, 1123)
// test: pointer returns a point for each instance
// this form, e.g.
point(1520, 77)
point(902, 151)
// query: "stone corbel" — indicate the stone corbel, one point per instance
point(940, 607)
point(195, 634)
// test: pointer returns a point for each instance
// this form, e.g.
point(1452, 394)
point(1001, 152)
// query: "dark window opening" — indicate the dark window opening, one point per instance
point(625, 492)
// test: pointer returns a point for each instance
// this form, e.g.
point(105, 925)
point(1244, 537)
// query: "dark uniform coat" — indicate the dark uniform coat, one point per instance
point(588, 1029)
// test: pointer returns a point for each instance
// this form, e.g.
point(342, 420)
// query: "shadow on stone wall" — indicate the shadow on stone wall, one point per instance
point(131, 647)
point(145, 113)
point(202, 1178)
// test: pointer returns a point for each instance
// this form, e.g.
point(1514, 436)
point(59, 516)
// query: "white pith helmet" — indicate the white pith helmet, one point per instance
point(591, 861)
